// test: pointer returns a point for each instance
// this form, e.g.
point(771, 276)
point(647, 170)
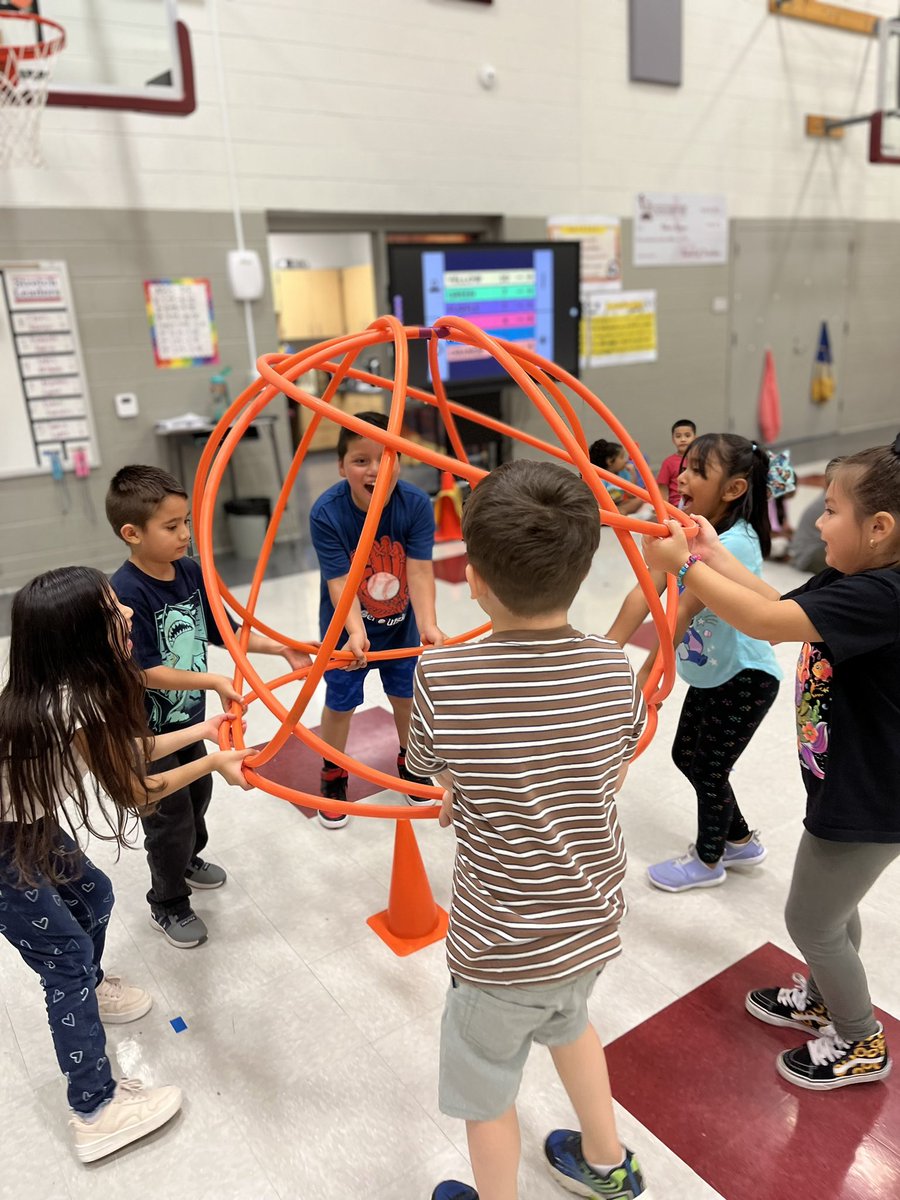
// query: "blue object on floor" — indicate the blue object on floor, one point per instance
point(179, 1024)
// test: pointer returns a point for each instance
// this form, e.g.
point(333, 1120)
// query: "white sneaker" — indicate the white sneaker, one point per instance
point(133, 1112)
point(121, 1002)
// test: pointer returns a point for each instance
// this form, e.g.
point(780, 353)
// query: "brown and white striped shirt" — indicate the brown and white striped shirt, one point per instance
point(533, 726)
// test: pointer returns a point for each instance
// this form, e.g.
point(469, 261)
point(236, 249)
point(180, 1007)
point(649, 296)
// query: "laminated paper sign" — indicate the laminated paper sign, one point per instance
point(620, 328)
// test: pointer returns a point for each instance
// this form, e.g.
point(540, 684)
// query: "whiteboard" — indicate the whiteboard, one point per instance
point(43, 388)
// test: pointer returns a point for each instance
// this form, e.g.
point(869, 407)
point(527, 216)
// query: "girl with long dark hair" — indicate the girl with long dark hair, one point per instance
point(71, 711)
point(733, 679)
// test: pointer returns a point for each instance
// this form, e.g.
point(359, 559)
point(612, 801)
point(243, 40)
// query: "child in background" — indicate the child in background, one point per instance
point(683, 433)
point(733, 679)
point(530, 731)
point(74, 705)
point(394, 606)
point(848, 714)
point(172, 626)
point(612, 456)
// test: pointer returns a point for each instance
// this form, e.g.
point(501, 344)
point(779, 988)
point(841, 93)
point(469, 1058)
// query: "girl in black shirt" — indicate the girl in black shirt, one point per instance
point(848, 714)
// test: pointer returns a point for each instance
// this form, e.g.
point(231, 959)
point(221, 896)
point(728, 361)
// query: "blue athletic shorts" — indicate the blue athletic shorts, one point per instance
point(344, 689)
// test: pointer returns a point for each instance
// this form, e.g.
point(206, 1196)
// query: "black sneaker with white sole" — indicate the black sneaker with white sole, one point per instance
point(406, 774)
point(182, 929)
point(790, 1007)
point(333, 786)
point(830, 1061)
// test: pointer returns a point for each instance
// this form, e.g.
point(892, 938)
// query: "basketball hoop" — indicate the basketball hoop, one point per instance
point(25, 71)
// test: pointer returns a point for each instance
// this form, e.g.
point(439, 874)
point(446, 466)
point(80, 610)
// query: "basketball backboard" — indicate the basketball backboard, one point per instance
point(133, 55)
point(884, 130)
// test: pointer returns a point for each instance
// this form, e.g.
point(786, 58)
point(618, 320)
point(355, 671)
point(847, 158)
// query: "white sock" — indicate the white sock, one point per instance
point(605, 1169)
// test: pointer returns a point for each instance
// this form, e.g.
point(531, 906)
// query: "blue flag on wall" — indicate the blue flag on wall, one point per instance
point(822, 386)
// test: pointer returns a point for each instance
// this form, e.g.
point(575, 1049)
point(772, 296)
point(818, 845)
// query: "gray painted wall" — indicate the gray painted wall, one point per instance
point(109, 255)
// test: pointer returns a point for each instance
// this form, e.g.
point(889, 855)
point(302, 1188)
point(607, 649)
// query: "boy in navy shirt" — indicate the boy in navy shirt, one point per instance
point(171, 628)
point(395, 603)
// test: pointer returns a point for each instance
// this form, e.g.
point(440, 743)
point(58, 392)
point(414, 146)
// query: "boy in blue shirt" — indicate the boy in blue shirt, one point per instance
point(171, 628)
point(394, 606)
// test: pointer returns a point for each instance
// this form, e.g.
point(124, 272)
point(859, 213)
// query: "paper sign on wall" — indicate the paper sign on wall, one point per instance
point(601, 247)
point(620, 328)
point(182, 322)
point(46, 409)
point(672, 229)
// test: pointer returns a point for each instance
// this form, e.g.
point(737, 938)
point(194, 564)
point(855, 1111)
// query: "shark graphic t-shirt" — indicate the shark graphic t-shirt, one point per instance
point(171, 627)
point(848, 705)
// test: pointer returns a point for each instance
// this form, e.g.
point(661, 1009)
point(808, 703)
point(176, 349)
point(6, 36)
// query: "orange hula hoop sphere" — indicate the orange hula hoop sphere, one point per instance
point(539, 381)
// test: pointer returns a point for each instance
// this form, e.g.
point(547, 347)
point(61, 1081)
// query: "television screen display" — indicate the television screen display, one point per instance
point(524, 292)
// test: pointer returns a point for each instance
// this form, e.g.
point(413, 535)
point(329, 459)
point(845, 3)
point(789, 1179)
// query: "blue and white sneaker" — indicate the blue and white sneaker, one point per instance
point(452, 1189)
point(744, 854)
point(569, 1167)
point(682, 874)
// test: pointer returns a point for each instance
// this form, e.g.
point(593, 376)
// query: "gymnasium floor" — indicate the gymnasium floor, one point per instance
point(309, 1058)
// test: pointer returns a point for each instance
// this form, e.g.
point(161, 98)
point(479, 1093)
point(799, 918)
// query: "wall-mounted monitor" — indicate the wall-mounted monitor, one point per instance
point(525, 292)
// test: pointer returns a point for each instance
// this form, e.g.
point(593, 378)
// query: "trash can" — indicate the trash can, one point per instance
point(248, 519)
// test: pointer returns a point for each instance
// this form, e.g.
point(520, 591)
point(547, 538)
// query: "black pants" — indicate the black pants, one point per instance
point(714, 729)
point(176, 832)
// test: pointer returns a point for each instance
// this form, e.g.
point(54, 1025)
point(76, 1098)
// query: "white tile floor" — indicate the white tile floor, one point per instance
point(309, 1062)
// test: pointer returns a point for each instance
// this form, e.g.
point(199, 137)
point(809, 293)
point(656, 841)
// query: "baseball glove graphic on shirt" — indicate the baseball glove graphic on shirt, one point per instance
point(384, 591)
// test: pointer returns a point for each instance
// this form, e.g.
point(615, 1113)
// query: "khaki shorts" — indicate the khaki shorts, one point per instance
point(486, 1035)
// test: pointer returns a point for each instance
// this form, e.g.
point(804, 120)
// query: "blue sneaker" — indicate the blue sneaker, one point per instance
point(452, 1189)
point(681, 874)
point(569, 1167)
point(744, 854)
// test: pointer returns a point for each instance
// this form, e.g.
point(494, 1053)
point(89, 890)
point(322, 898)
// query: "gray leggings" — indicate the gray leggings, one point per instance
point(830, 879)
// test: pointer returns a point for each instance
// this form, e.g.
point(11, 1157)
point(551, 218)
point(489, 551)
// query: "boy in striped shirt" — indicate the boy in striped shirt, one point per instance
point(529, 731)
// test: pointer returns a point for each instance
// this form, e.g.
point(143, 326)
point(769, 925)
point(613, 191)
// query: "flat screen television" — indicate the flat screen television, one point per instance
point(523, 292)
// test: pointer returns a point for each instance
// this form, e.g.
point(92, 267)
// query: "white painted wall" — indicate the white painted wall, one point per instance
point(351, 105)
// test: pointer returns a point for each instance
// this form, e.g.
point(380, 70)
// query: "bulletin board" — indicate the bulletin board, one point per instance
point(46, 406)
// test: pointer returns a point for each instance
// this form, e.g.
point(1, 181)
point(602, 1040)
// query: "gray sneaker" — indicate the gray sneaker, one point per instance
point(183, 929)
point(202, 874)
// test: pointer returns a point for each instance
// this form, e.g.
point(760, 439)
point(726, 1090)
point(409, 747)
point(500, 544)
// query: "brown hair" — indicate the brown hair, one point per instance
point(531, 530)
point(68, 675)
point(136, 492)
point(346, 436)
point(875, 484)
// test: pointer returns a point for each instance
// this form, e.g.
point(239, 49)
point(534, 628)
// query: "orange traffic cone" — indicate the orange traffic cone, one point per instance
point(412, 919)
point(448, 510)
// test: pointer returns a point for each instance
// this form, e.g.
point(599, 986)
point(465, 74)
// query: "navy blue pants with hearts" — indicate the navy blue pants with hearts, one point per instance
point(60, 932)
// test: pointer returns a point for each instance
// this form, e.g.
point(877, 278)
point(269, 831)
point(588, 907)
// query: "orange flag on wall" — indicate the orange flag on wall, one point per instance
point(769, 402)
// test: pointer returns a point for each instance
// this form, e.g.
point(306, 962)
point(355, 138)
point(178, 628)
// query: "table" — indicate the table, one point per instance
point(176, 434)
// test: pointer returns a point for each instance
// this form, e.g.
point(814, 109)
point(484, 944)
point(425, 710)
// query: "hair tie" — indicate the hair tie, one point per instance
point(754, 447)
point(782, 480)
point(896, 445)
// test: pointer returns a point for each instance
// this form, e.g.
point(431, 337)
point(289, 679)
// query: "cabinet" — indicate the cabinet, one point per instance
point(326, 436)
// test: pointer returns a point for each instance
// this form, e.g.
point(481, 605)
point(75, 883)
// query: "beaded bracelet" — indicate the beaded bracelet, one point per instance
point(679, 578)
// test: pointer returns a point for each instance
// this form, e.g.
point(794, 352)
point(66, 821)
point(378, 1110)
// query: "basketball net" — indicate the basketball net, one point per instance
point(25, 71)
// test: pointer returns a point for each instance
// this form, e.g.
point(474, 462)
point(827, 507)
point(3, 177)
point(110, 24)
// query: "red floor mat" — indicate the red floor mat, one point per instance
point(700, 1075)
point(373, 740)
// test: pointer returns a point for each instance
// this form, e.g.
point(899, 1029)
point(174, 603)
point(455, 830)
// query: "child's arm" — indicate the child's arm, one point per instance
point(708, 546)
point(171, 679)
point(163, 744)
point(747, 609)
point(357, 640)
point(297, 659)
point(420, 578)
point(147, 792)
point(634, 611)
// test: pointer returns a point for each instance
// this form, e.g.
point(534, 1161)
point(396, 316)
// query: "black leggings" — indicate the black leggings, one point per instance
point(714, 729)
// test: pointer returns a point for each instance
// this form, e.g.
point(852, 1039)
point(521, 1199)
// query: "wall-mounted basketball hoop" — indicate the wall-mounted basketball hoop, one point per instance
point(884, 121)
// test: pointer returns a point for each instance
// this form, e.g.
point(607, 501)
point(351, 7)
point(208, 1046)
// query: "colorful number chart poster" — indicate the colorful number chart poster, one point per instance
point(620, 329)
point(182, 322)
point(47, 425)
